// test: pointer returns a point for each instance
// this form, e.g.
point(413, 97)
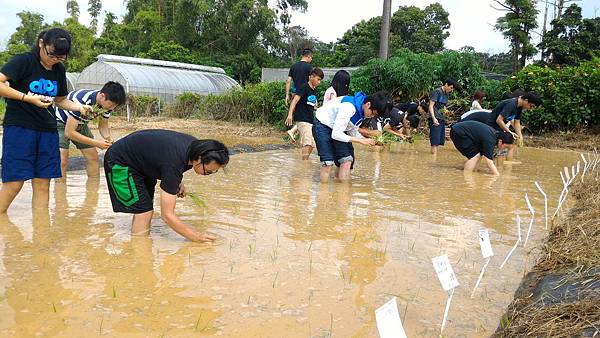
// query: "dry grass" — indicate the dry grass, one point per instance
point(573, 252)
point(586, 139)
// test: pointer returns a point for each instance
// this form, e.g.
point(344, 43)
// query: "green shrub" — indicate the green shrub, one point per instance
point(570, 95)
point(186, 105)
point(2, 108)
point(261, 103)
point(409, 76)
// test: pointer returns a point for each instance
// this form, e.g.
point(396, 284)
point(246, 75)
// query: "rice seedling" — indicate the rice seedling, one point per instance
point(198, 322)
point(275, 279)
point(197, 200)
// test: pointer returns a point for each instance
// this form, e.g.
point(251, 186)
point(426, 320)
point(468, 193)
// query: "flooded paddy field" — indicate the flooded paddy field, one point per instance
point(294, 257)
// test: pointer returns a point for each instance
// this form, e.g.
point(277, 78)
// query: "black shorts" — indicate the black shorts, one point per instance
point(463, 143)
point(130, 192)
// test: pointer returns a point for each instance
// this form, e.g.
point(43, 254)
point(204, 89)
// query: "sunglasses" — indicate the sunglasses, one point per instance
point(54, 56)
point(206, 172)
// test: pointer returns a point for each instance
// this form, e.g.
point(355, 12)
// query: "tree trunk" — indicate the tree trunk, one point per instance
point(384, 37)
point(543, 51)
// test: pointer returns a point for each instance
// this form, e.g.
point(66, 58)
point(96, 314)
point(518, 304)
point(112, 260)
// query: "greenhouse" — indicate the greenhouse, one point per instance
point(162, 79)
point(71, 81)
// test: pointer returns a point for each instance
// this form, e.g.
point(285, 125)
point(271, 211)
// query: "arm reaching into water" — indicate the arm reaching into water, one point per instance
point(167, 211)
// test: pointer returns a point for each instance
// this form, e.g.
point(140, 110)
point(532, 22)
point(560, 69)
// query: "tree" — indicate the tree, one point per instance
point(297, 39)
point(516, 26)
point(384, 37)
point(73, 9)
point(27, 32)
point(82, 49)
point(420, 30)
point(25, 35)
point(572, 39)
point(95, 6)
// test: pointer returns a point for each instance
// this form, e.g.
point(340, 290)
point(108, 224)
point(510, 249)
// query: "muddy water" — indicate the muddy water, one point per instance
point(295, 258)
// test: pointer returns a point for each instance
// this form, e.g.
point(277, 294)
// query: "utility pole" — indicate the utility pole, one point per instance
point(384, 37)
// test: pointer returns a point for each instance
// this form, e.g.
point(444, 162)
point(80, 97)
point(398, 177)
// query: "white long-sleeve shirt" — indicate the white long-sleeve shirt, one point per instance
point(336, 115)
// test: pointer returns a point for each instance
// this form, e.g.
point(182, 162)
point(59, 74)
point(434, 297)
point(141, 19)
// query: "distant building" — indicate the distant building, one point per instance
point(281, 74)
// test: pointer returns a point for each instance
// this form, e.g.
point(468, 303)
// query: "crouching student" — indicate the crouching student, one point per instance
point(134, 163)
point(402, 118)
point(475, 139)
point(73, 126)
point(336, 128)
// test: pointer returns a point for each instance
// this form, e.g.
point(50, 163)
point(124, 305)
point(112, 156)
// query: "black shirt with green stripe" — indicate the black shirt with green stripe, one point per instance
point(155, 154)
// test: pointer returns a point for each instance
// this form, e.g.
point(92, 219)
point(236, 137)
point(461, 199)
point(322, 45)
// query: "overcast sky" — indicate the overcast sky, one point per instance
point(471, 20)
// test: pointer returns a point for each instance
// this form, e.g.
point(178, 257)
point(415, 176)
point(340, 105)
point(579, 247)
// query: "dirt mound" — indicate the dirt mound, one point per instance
point(560, 297)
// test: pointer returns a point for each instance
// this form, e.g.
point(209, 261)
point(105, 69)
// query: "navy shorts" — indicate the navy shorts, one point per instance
point(437, 134)
point(331, 151)
point(29, 153)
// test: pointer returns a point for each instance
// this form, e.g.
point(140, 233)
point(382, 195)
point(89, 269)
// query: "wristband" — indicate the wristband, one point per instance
point(23, 97)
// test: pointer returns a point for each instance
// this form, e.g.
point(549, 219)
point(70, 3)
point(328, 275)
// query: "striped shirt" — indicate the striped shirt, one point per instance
point(83, 97)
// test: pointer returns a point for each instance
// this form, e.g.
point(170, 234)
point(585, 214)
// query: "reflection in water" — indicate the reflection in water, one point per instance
point(294, 256)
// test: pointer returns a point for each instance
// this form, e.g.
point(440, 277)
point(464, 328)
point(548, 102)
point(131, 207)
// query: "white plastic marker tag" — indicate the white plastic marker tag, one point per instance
point(516, 244)
point(444, 271)
point(567, 176)
point(484, 243)
point(545, 202)
point(585, 166)
point(388, 320)
point(578, 166)
point(530, 221)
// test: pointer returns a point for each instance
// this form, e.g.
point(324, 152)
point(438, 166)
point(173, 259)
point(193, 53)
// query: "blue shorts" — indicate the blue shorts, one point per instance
point(28, 153)
point(331, 151)
point(437, 134)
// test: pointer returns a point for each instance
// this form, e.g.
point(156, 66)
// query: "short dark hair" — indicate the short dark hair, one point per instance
point(450, 82)
point(306, 52)
point(413, 120)
point(506, 138)
point(423, 106)
point(317, 72)
point(380, 102)
point(532, 97)
point(114, 92)
point(341, 83)
point(207, 151)
point(479, 94)
point(59, 38)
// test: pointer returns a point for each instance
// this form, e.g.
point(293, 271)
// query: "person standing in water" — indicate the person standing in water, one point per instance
point(302, 111)
point(435, 116)
point(340, 85)
point(336, 128)
point(134, 163)
point(475, 140)
point(30, 139)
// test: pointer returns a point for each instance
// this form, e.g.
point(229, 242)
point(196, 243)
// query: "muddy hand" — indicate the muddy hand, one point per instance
point(182, 191)
point(104, 144)
point(86, 110)
point(205, 238)
point(368, 141)
point(37, 101)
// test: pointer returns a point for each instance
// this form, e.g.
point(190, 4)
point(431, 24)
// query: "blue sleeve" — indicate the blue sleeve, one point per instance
point(435, 96)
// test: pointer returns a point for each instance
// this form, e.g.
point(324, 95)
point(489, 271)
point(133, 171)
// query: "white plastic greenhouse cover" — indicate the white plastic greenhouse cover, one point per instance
point(71, 81)
point(163, 79)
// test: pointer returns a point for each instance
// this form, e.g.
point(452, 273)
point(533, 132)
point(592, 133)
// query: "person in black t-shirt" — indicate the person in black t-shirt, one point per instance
point(474, 139)
point(510, 110)
point(397, 120)
point(134, 163)
point(297, 77)
point(302, 111)
point(298, 74)
point(30, 139)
